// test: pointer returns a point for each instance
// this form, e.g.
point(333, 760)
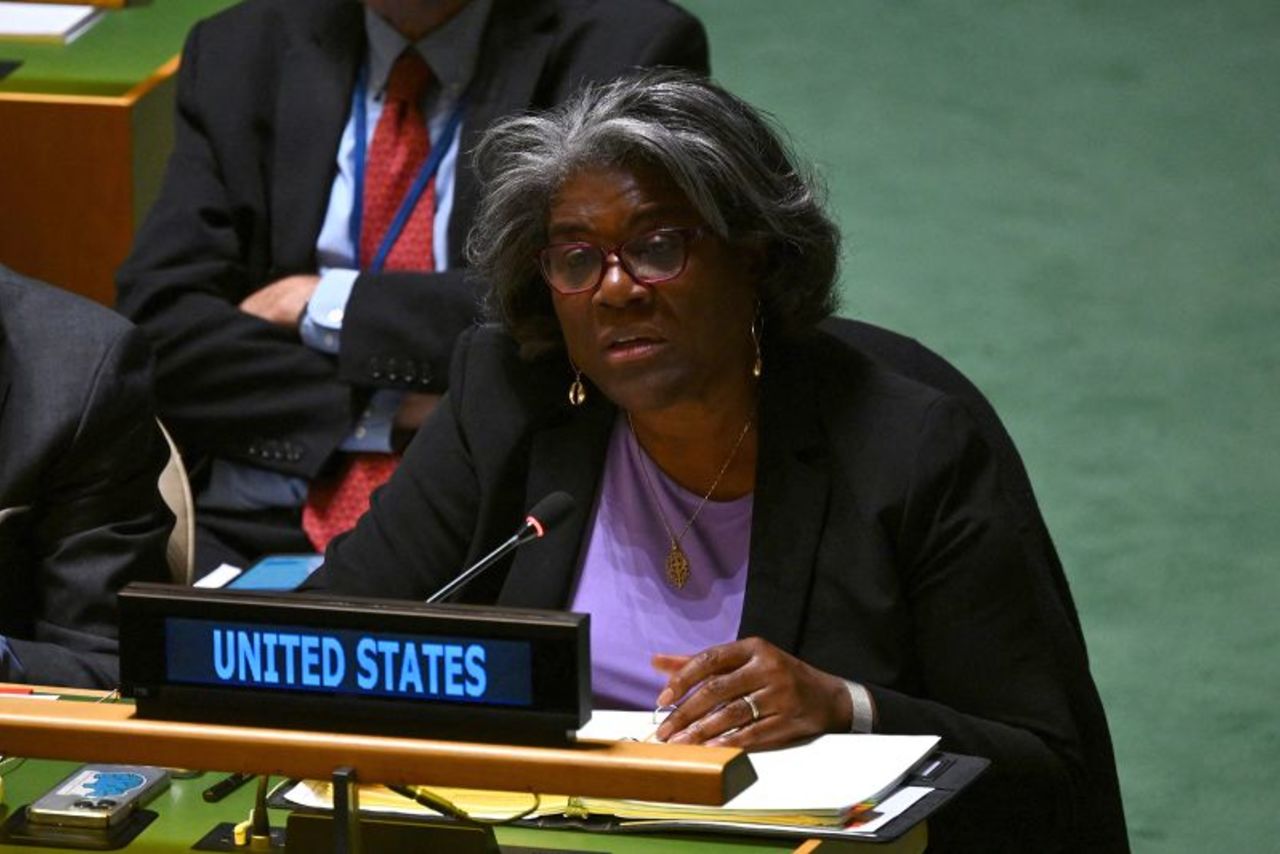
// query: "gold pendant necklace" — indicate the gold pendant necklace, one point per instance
point(677, 562)
point(677, 565)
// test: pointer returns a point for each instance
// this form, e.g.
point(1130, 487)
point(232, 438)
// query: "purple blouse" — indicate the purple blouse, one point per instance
point(622, 579)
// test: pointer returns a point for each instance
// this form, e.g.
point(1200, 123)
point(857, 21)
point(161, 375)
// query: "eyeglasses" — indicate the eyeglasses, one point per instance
point(655, 257)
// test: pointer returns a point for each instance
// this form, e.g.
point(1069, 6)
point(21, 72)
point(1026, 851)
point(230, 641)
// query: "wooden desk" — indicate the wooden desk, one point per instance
point(108, 732)
point(85, 131)
point(184, 817)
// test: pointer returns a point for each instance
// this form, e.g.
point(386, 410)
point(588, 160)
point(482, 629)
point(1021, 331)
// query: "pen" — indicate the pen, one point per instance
point(225, 786)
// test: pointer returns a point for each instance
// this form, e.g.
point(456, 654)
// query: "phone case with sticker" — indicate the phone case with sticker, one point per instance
point(98, 795)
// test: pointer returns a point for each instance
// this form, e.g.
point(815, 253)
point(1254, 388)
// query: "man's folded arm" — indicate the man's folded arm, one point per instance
point(231, 385)
point(400, 328)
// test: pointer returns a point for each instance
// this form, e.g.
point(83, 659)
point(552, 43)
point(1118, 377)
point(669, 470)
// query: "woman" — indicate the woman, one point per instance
point(770, 529)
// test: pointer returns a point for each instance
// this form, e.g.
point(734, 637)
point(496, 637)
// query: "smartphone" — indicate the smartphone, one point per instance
point(98, 796)
point(277, 572)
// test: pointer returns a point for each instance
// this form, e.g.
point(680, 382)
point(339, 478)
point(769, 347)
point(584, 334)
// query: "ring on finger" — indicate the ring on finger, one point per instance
point(751, 704)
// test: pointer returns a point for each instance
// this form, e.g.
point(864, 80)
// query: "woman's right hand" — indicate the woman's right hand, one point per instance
point(749, 694)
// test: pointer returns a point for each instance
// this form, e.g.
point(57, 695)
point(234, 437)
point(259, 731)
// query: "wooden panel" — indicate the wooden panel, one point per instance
point(78, 175)
point(67, 189)
point(100, 732)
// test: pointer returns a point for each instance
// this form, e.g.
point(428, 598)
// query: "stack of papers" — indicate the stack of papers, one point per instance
point(46, 21)
point(829, 782)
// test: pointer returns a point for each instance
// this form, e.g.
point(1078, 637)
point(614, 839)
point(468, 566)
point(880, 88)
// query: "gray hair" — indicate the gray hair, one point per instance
point(726, 156)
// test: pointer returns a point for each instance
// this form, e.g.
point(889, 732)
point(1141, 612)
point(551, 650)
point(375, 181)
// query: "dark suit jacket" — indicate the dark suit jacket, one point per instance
point(80, 455)
point(1105, 831)
point(263, 94)
point(883, 549)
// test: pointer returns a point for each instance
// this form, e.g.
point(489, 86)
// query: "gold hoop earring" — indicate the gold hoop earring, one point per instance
point(577, 392)
point(757, 326)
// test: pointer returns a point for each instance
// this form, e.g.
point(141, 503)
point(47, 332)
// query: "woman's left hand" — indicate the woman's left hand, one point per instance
point(788, 699)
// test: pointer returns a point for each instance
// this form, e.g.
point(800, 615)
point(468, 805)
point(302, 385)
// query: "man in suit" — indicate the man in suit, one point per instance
point(278, 341)
point(80, 457)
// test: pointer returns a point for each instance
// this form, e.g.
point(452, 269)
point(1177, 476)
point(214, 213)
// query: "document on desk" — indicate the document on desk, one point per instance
point(822, 781)
point(864, 824)
point(58, 23)
point(827, 782)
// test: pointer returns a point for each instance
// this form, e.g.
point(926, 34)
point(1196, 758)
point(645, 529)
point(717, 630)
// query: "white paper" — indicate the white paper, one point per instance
point(44, 20)
point(220, 577)
point(889, 809)
point(303, 794)
point(830, 773)
point(611, 725)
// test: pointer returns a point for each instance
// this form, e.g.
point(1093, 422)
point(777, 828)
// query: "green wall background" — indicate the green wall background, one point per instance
point(1079, 204)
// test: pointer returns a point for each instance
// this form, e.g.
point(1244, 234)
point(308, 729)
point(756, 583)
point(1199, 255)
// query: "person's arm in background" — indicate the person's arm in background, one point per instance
point(99, 523)
point(229, 383)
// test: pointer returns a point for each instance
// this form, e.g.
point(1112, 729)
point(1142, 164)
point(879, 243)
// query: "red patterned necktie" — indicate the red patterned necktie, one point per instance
point(401, 145)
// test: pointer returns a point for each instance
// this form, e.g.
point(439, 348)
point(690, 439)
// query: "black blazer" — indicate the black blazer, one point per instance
point(263, 94)
point(80, 456)
point(883, 549)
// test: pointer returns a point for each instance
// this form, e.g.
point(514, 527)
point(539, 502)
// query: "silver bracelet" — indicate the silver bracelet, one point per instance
point(863, 718)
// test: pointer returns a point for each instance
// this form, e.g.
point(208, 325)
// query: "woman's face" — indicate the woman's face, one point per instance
point(670, 344)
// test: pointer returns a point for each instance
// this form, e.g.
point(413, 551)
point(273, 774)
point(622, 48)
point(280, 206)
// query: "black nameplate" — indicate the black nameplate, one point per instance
point(386, 667)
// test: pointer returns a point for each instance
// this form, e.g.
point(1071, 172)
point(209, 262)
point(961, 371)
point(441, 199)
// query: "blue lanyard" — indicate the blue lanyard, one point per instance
point(425, 174)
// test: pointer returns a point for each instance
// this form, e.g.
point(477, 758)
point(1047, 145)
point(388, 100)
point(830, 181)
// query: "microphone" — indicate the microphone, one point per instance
point(551, 510)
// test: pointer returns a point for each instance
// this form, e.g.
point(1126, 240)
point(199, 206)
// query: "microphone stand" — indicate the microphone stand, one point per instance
point(527, 532)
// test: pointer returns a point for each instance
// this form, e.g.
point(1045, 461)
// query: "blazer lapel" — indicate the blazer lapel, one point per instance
point(521, 33)
point(792, 488)
point(316, 82)
point(568, 456)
